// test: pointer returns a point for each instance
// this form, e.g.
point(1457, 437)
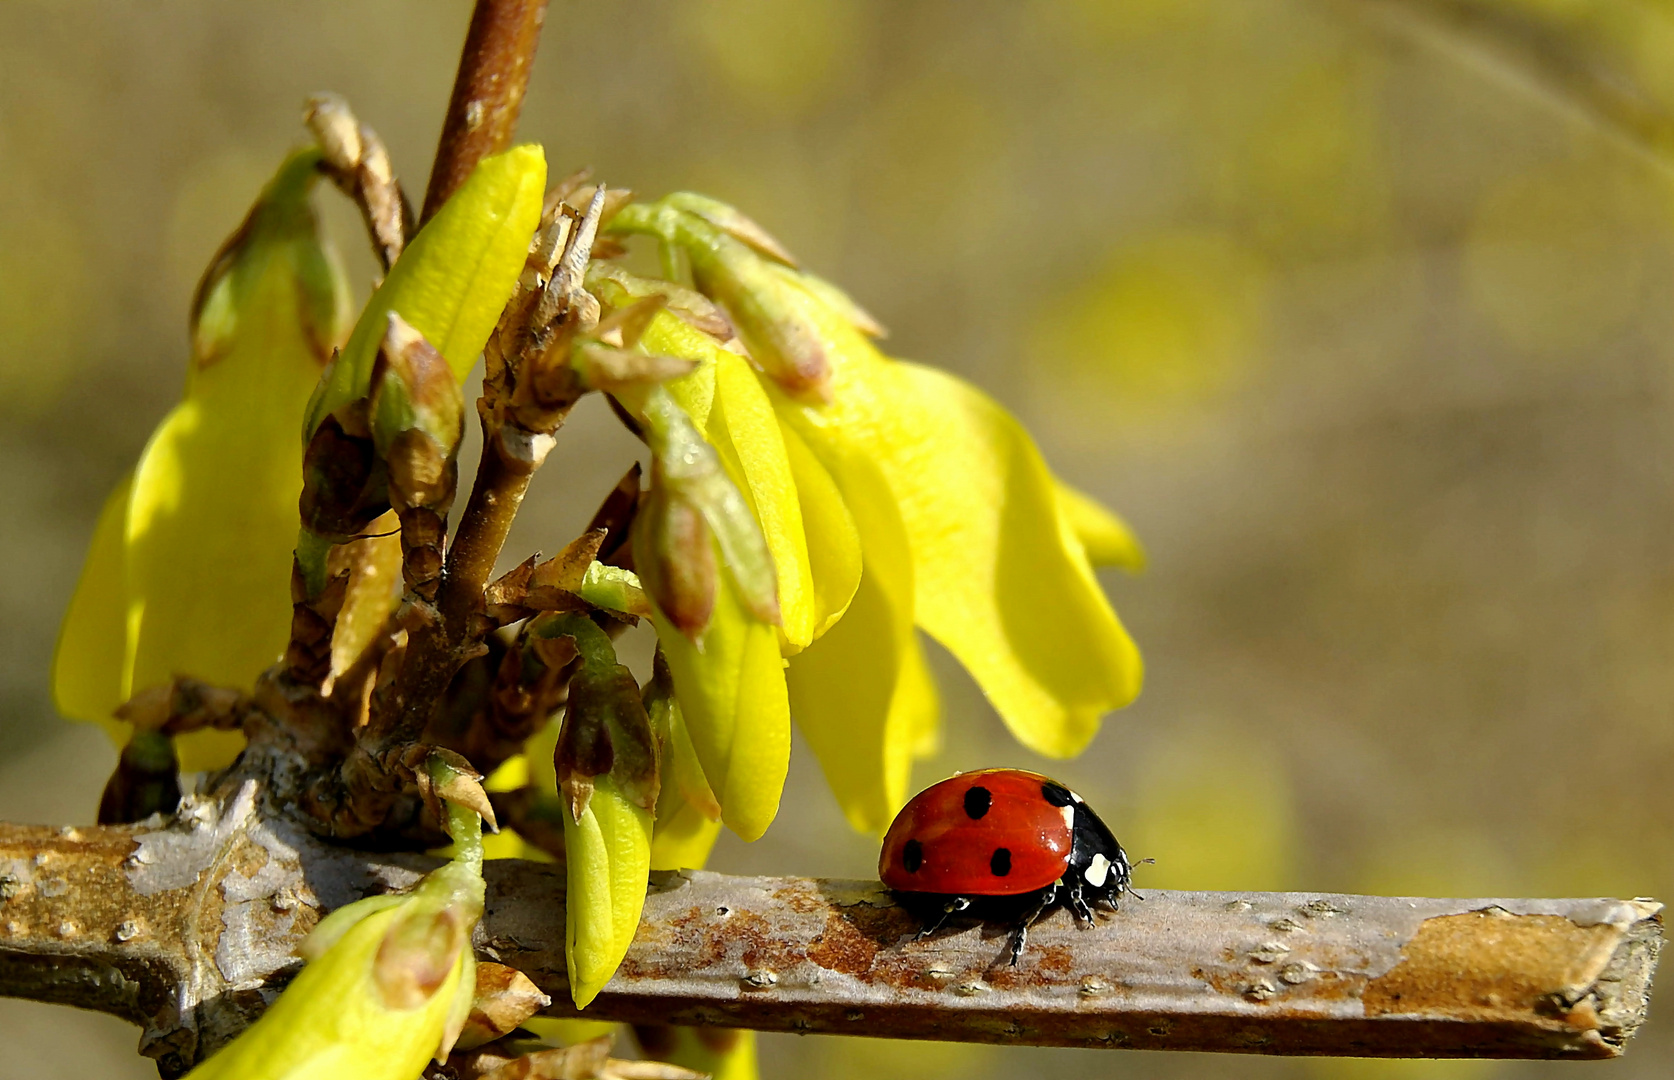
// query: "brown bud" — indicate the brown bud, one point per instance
point(343, 482)
point(146, 781)
point(603, 367)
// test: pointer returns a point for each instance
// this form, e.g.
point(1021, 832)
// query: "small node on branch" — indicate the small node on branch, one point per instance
point(417, 423)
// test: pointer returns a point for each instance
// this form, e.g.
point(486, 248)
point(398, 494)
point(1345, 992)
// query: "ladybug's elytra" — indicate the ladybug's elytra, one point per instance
point(1005, 834)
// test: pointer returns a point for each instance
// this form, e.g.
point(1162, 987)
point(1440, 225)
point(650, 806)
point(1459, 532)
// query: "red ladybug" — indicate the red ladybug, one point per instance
point(1007, 834)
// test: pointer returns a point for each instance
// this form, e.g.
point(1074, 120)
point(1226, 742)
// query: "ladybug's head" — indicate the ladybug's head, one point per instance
point(1096, 856)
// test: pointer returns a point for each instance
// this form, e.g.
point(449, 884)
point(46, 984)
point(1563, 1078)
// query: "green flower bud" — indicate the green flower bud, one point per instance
point(449, 285)
point(417, 418)
point(451, 281)
point(675, 554)
point(606, 764)
point(605, 727)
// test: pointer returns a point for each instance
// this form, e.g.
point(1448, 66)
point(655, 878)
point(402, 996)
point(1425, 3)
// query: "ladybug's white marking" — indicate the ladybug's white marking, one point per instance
point(1097, 870)
point(1069, 816)
point(1076, 797)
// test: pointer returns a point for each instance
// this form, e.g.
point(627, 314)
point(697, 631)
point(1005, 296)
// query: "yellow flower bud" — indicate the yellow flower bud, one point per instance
point(387, 985)
point(608, 859)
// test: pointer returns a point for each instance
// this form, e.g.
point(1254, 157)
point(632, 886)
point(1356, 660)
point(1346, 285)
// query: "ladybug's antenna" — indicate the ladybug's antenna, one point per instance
point(1131, 892)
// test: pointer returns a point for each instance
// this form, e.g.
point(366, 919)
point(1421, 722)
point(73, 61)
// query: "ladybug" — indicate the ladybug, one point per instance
point(1014, 841)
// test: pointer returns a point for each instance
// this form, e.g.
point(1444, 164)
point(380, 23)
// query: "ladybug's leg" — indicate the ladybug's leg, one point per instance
point(1048, 896)
point(1078, 903)
point(952, 907)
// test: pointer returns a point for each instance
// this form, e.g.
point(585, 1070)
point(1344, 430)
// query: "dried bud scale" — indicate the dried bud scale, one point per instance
point(357, 161)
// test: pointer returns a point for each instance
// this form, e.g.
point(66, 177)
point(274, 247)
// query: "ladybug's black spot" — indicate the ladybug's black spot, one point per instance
point(977, 802)
point(999, 864)
point(1056, 794)
point(912, 856)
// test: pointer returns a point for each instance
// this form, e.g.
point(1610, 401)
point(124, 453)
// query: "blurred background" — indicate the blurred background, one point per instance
point(1358, 310)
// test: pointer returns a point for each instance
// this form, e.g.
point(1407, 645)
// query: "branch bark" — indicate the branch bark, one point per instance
point(187, 927)
point(487, 92)
point(1269, 973)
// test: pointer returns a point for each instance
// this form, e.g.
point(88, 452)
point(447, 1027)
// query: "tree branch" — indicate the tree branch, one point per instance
point(187, 927)
point(487, 92)
point(1270, 973)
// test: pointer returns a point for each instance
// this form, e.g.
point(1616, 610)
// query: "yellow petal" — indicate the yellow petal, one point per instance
point(731, 688)
point(210, 525)
point(212, 511)
point(1106, 538)
point(701, 1050)
point(197, 557)
point(996, 583)
point(567, 1031)
point(683, 772)
point(668, 335)
point(863, 729)
point(862, 699)
point(88, 666)
point(834, 558)
point(1001, 578)
point(809, 533)
point(683, 837)
point(608, 857)
point(745, 433)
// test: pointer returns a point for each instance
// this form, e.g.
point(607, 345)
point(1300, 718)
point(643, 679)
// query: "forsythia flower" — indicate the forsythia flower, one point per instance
point(189, 568)
point(727, 670)
point(926, 485)
point(723, 1053)
point(387, 987)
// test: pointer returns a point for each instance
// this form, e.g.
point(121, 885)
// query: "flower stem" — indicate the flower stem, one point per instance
point(487, 92)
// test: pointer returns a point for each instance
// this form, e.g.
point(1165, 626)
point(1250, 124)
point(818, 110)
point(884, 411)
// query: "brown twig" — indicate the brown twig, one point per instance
point(487, 92)
point(121, 920)
point(529, 388)
point(1545, 60)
